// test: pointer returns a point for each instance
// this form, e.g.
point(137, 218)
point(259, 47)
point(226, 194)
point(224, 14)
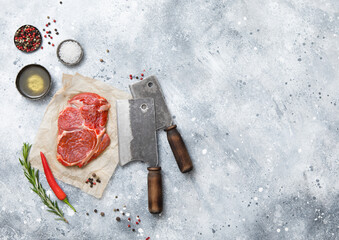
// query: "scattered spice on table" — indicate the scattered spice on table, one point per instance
point(118, 219)
point(136, 76)
point(95, 210)
point(101, 60)
point(27, 38)
point(91, 180)
point(107, 51)
point(50, 32)
point(87, 214)
point(116, 197)
point(60, 2)
point(102, 214)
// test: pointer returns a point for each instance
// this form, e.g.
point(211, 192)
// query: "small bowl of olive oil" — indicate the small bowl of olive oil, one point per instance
point(33, 81)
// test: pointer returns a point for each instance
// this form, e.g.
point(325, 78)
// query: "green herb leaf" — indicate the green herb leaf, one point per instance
point(32, 175)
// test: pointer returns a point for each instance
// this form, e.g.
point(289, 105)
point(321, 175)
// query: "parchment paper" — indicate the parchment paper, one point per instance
point(46, 138)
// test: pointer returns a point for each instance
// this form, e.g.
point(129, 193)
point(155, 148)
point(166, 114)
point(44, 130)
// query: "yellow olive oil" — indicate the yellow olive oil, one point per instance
point(34, 81)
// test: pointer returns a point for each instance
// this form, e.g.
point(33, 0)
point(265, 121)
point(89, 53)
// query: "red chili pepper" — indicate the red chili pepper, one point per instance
point(129, 225)
point(52, 183)
point(142, 74)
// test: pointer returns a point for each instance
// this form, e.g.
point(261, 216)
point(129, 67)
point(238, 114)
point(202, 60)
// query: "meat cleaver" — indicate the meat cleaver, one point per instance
point(137, 142)
point(150, 88)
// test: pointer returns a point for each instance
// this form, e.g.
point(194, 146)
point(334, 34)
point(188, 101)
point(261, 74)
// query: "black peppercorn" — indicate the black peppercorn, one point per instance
point(95, 210)
point(118, 219)
point(102, 214)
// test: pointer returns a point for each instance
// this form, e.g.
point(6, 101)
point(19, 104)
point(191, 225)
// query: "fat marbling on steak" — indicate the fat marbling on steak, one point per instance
point(82, 134)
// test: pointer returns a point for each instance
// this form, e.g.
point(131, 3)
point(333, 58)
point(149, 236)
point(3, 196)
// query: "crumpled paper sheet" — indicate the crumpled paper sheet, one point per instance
point(46, 138)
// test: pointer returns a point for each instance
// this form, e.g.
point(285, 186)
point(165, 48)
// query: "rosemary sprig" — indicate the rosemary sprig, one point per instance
point(32, 175)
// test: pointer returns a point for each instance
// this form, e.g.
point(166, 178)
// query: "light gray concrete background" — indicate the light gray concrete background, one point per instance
point(254, 89)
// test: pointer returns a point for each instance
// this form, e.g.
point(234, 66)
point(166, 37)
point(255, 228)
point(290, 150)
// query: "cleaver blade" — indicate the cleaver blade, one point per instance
point(136, 131)
point(150, 88)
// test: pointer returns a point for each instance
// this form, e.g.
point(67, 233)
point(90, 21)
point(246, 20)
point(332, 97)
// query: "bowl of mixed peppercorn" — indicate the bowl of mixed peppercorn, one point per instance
point(27, 38)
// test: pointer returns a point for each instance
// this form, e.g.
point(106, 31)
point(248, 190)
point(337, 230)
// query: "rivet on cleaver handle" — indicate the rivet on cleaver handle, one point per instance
point(150, 87)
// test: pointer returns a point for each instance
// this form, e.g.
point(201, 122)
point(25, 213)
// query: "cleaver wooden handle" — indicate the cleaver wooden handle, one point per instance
point(179, 149)
point(154, 190)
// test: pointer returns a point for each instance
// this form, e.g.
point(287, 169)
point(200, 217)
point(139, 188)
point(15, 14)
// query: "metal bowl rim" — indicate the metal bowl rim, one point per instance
point(24, 94)
point(62, 61)
point(40, 37)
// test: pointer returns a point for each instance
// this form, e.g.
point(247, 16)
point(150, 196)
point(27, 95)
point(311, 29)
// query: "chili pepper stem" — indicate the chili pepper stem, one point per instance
point(66, 201)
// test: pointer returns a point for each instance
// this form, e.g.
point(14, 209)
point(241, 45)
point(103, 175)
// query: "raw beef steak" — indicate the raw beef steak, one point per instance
point(82, 134)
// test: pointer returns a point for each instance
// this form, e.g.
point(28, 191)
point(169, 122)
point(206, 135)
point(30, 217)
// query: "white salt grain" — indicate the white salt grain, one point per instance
point(70, 52)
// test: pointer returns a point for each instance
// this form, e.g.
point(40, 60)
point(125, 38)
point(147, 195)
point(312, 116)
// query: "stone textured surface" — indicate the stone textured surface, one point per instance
point(253, 86)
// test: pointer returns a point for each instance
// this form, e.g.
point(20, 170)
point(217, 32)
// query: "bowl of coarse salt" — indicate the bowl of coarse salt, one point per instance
point(70, 52)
